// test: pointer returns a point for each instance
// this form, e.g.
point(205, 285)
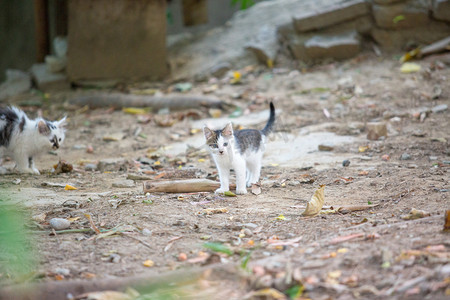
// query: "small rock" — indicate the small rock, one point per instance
point(220, 69)
point(439, 108)
point(385, 157)
point(114, 258)
point(59, 223)
point(182, 256)
point(405, 156)
point(146, 232)
point(375, 130)
point(40, 218)
point(112, 164)
point(325, 148)
point(248, 232)
point(346, 163)
point(17, 181)
point(126, 183)
point(90, 167)
point(46, 80)
point(431, 158)
point(79, 147)
point(145, 160)
point(62, 271)
point(89, 149)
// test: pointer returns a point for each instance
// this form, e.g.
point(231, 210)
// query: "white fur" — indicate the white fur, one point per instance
point(29, 143)
point(247, 166)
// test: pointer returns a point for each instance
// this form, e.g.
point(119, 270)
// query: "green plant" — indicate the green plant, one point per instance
point(244, 4)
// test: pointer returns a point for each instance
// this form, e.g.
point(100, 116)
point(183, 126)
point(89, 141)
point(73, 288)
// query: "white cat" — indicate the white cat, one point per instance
point(240, 150)
point(22, 138)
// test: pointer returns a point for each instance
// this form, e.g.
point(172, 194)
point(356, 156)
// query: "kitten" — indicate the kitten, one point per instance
point(22, 138)
point(239, 150)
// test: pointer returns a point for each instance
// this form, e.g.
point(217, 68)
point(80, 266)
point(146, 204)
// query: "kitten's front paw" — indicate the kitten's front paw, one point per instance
point(36, 171)
point(221, 191)
point(241, 191)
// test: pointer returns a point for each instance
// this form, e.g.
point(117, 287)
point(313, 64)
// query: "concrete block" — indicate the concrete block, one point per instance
point(441, 10)
point(408, 14)
point(118, 39)
point(265, 45)
point(394, 40)
point(330, 15)
point(17, 82)
point(48, 81)
point(341, 46)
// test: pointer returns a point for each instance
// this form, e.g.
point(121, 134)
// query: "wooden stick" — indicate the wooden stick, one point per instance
point(182, 186)
point(174, 101)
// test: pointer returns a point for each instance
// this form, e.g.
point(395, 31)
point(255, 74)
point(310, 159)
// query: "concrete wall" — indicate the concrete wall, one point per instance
point(17, 37)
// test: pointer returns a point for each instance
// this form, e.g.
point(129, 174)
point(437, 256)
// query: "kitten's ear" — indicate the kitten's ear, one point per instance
point(43, 128)
point(228, 130)
point(208, 132)
point(62, 123)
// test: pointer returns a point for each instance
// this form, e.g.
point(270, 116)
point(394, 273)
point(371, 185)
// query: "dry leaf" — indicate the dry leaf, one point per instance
point(148, 263)
point(69, 187)
point(256, 189)
point(211, 211)
point(447, 221)
point(409, 67)
point(415, 214)
point(316, 203)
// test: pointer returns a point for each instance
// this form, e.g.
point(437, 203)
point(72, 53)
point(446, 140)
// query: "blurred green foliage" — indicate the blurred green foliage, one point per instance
point(243, 4)
point(16, 258)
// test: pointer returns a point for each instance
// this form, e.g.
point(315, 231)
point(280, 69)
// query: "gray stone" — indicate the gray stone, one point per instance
point(330, 15)
point(220, 69)
point(46, 80)
point(375, 130)
point(90, 167)
point(341, 46)
point(397, 39)
point(265, 45)
point(439, 108)
point(112, 164)
point(16, 83)
point(125, 183)
point(62, 271)
point(55, 64)
point(384, 2)
point(405, 156)
point(59, 223)
point(441, 10)
point(408, 14)
point(146, 160)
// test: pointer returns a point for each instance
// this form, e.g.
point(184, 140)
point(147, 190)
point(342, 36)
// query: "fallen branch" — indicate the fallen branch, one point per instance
point(351, 208)
point(136, 239)
point(181, 186)
point(70, 231)
point(174, 102)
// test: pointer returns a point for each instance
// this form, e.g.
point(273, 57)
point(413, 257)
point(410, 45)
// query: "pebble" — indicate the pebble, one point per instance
point(79, 147)
point(385, 157)
point(90, 167)
point(125, 183)
point(433, 158)
point(248, 232)
point(346, 163)
point(114, 258)
point(146, 232)
point(439, 108)
point(59, 223)
point(405, 156)
point(62, 271)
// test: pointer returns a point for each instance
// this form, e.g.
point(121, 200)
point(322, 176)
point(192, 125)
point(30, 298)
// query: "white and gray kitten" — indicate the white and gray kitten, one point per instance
point(240, 150)
point(22, 139)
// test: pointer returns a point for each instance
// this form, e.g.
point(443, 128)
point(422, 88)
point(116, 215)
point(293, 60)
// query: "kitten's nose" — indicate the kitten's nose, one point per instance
point(221, 151)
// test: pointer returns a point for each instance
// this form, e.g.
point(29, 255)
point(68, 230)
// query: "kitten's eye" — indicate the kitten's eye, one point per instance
point(214, 146)
point(225, 144)
point(60, 139)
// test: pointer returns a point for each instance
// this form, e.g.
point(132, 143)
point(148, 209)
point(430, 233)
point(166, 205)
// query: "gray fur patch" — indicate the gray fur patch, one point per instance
point(248, 139)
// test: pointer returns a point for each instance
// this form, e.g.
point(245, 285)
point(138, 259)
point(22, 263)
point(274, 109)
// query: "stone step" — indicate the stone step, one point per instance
point(339, 46)
point(330, 15)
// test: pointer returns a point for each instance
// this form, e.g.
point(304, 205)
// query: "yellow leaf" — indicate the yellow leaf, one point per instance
point(281, 217)
point(135, 110)
point(342, 250)
point(181, 198)
point(201, 160)
point(241, 235)
point(410, 55)
point(236, 77)
point(335, 274)
point(362, 149)
point(268, 293)
point(148, 263)
point(274, 165)
point(73, 219)
point(69, 187)
point(269, 63)
point(409, 67)
point(157, 163)
point(195, 130)
point(315, 205)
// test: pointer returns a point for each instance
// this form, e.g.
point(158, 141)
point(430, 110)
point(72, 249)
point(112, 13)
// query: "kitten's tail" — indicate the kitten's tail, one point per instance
point(269, 126)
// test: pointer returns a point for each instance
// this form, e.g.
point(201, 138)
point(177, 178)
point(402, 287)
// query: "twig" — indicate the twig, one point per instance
point(91, 223)
point(139, 240)
point(170, 243)
point(56, 236)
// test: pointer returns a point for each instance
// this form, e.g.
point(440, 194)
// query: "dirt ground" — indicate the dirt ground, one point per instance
point(372, 253)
